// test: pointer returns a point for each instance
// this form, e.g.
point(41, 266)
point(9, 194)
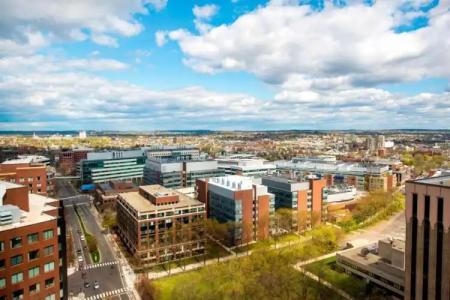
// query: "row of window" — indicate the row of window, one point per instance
point(33, 272)
point(32, 255)
point(32, 289)
point(31, 238)
point(171, 213)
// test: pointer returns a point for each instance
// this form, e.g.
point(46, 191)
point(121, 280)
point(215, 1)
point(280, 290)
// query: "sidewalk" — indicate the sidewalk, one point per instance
point(195, 266)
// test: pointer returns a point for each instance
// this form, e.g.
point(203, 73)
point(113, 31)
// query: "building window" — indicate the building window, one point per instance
point(48, 234)
point(21, 179)
point(16, 278)
point(33, 255)
point(34, 288)
point(15, 260)
point(39, 178)
point(16, 242)
point(2, 246)
point(2, 264)
point(17, 295)
point(33, 238)
point(49, 283)
point(2, 283)
point(33, 272)
point(48, 250)
point(48, 267)
point(50, 297)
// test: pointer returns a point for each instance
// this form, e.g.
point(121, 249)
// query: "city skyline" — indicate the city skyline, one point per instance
point(224, 65)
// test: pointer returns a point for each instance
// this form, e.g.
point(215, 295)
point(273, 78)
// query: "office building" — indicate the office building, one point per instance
point(112, 165)
point(32, 245)
point(305, 198)
point(28, 171)
point(427, 238)
point(236, 199)
point(174, 173)
point(68, 160)
point(157, 224)
point(255, 167)
point(106, 193)
point(381, 263)
point(364, 177)
point(173, 152)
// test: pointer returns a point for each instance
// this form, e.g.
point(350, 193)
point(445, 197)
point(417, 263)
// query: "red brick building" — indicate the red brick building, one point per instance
point(236, 199)
point(305, 198)
point(68, 160)
point(32, 245)
point(32, 175)
point(106, 194)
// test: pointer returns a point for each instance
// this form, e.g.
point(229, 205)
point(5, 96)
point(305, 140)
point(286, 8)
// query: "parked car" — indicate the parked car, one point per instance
point(96, 285)
point(80, 258)
point(82, 238)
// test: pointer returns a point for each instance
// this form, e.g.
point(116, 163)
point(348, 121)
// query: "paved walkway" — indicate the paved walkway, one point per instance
point(195, 266)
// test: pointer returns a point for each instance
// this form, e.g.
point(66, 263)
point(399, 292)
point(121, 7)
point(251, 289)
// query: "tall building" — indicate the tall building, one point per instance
point(255, 167)
point(175, 173)
point(238, 200)
point(305, 198)
point(112, 165)
point(32, 245)
point(380, 141)
point(157, 224)
point(427, 271)
point(82, 134)
point(26, 171)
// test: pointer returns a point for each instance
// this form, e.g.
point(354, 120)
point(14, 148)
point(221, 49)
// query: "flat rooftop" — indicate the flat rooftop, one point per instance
point(39, 205)
point(141, 204)
point(29, 159)
point(232, 182)
point(440, 181)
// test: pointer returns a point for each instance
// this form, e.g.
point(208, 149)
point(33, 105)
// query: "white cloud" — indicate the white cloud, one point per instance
point(161, 38)
point(54, 92)
point(54, 20)
point(205, 12)
point(202, 15)
point(356, 42)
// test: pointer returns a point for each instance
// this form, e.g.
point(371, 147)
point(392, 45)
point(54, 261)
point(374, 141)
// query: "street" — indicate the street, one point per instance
point(108, 272)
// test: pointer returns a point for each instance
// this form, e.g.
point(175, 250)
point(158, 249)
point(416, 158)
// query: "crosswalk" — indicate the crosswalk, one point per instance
point(104, 264)
point(107, 294)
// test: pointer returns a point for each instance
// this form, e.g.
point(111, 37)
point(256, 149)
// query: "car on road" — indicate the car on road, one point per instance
point(87, 284)
point(79, 231)
point(82, 238)
point(96, 285)
point(80, 258)
point(79, 252)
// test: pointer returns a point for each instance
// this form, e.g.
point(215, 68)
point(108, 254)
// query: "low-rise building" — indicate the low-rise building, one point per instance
point(305, 198)
point(112, 165)
point(106, 193)
point(245, 166)
point(382, 263)
point(32, 245)
point(157, 224)
point(363, 176)
point(173, 152)
point(29, 172)
point(69, 159)
point(175, 173)
point(247, 206)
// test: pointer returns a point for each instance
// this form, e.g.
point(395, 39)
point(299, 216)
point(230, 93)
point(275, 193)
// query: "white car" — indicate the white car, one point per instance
point(82, 238)
point(96, 285)
point(80, 258)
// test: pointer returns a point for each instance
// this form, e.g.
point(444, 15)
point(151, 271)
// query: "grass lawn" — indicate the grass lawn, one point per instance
point(165, 285)
point(329, 271)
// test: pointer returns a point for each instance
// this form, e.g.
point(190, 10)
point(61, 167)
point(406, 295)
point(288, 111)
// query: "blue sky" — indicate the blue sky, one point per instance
point(224, 65)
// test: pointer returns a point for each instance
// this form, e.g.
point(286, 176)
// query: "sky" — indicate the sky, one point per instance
point(224, 65)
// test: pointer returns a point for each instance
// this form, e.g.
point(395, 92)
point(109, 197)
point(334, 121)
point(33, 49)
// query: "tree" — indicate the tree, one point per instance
point(147, 289)
point(109, 219)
